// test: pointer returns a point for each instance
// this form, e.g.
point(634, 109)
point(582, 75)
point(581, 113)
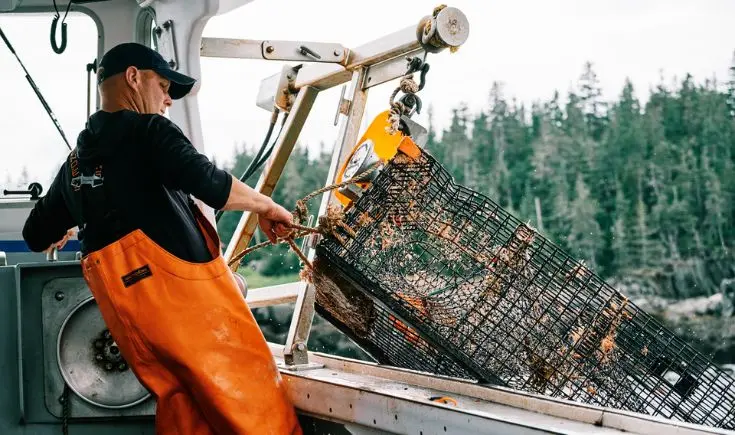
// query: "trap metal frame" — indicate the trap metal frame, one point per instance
point(295, 90)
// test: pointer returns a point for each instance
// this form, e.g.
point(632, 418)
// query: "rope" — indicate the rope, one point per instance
point(334, 219)
point(408, 86)
point(328, 224)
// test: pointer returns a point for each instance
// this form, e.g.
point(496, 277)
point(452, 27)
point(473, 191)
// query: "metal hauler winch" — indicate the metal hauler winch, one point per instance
point(449, 270)
point(91, 363)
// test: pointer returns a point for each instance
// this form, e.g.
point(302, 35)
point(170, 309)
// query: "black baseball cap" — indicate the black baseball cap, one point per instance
point(127, 54)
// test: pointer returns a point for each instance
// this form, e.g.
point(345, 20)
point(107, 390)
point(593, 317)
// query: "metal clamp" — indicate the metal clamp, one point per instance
point(275, 91)
point(297, 359)
point(87, 180)
point(166, 43)
point(303, 51)
point(343, 107)
point(298, 51)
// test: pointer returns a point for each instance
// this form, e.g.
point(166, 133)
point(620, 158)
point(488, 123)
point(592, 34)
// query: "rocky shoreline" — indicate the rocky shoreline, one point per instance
point(703, 322)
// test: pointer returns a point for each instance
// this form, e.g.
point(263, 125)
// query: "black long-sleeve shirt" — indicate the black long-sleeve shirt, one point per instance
point(149, 168)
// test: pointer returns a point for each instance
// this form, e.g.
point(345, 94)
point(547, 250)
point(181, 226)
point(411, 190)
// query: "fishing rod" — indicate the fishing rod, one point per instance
point(36, 90)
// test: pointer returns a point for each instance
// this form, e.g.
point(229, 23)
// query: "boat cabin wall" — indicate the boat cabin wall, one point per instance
point(120, 21)
point(125, 20)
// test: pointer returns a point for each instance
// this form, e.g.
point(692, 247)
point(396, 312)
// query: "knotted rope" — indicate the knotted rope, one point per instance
point(408, 86)
point(327, 225)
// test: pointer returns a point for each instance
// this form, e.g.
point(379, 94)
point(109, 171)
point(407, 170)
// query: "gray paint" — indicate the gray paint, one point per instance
point(23, 407)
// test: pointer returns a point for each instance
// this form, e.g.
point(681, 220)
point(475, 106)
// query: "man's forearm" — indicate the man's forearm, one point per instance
point(243, 197)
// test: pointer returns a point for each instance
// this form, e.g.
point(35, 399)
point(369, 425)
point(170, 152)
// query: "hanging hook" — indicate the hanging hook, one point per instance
point(58, 49)
point(417, 65)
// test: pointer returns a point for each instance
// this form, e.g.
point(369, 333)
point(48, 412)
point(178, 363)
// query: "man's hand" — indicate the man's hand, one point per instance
point(275, 222)
point(61, 243)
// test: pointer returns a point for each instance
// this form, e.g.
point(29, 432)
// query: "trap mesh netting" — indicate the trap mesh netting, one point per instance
point(381, 334)
point(485, 296)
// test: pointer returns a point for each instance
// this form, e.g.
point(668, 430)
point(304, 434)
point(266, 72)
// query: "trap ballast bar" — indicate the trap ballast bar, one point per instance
point(453, 276)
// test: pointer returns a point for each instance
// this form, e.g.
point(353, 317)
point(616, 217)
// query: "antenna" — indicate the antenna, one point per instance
point(36, 90)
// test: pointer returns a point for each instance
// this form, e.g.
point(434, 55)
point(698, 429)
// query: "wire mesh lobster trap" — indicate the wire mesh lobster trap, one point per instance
point(377, 331)
point(491, 293)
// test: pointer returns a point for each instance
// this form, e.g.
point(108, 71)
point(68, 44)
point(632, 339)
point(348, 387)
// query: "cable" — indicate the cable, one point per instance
point(259, 157)
point(255, 162)
point(265, 156)
point(59, 49)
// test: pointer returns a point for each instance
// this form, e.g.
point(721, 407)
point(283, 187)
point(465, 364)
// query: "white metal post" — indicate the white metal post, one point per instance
point(298, 335)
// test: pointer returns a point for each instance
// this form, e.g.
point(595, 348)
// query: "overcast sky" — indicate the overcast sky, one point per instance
point(532, 46)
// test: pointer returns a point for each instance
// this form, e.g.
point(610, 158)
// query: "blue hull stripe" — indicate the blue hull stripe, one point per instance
point(20, 246)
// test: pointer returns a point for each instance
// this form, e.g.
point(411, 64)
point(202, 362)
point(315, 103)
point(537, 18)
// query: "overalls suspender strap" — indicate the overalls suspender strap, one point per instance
point(94, 195)
point(90, 202)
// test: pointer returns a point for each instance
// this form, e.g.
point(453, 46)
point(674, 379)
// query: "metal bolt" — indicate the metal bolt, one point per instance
point(59, 296)
point(337, 52)
point(269, 49)
point(167, 24)
point(108, 366)
point(300, 346)
point(99, 357)
point(158, 31)
point(453, 29)
point(172, 64)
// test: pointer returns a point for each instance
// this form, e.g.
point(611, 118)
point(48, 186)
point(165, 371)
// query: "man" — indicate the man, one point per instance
point(153, 262)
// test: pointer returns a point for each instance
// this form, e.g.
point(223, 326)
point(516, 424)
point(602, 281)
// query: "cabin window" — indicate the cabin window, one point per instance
point(32, 148)
point(146, 26)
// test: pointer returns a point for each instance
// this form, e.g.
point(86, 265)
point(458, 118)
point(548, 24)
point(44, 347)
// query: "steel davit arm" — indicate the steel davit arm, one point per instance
point(446, 28)
point(333, 64)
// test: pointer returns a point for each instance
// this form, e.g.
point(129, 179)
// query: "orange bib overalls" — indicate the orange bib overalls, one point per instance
point(190, 338)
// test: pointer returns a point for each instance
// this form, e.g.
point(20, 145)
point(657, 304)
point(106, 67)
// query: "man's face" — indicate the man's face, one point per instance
point(153, 92)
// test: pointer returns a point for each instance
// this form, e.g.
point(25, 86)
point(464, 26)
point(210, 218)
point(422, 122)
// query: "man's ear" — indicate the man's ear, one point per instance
point(132, 76)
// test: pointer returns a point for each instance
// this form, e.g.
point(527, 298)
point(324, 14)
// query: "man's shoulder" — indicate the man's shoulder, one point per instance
point(131, 121)
point(158, 123)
